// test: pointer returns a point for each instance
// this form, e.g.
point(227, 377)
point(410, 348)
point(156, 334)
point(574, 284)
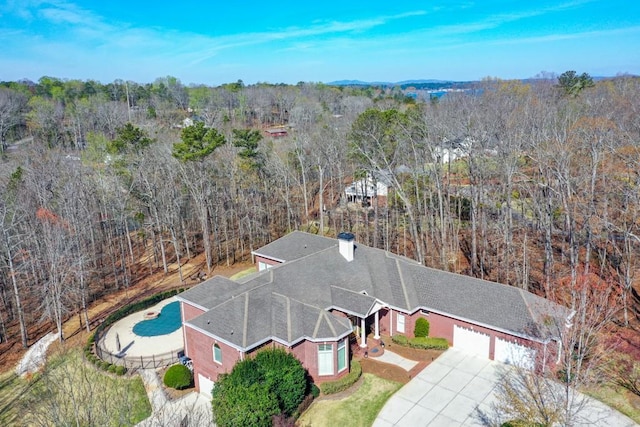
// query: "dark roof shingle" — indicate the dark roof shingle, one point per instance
point(291, 301)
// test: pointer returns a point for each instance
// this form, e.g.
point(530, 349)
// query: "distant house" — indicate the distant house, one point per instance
point(276, 132)
point(451, 150)
point(369, 189)
point(190, 121)
point(312, 295)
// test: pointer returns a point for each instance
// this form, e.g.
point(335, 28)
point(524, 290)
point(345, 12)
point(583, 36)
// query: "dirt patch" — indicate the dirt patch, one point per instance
point(385, 370)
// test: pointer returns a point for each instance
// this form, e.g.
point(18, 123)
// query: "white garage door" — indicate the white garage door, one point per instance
point(514, 354)
point(472, 342)
point(206, 385)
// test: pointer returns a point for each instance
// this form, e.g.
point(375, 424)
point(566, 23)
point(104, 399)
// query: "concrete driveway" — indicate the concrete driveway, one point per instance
point(448, 391)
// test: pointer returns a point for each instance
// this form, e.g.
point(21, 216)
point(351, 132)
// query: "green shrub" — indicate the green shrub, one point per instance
point(331, 387)
point(271, 383)
point(422, 328)
point(104, 365)
point(178, 377)
point(423, 343)
point(121, 370)
point(285, 376)
point(315, 391)
point(112, 369)
point(400, 340)
point(429, 343)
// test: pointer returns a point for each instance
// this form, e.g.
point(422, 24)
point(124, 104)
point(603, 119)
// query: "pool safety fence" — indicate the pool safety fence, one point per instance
point(133, 363)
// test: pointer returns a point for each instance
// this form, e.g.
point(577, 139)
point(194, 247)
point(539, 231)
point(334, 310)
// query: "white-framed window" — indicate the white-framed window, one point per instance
point(325, 359)
point(217, 353)
point(400, 323)
point(342, 355)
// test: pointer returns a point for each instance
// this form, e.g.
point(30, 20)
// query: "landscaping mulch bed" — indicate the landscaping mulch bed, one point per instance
point(395, 373)
point(172, 393)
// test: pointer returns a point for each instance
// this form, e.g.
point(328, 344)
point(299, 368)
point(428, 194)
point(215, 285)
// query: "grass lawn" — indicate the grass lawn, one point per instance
point(243, 273)
point(622, 400)
point(358, 410)
point(71, 391)
point(12, 388)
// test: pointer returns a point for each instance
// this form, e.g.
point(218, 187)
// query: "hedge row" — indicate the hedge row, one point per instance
point(99, 363)
point(114, 317)
point(423, 343)
point(345, 382)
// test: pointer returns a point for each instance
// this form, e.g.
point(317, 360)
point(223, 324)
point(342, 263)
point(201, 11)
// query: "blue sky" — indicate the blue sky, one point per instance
point(214, 42)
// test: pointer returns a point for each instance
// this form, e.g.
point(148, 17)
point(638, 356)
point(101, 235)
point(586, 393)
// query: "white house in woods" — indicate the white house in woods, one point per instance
point(369, 189)
point(312, 293)
point(451, 150)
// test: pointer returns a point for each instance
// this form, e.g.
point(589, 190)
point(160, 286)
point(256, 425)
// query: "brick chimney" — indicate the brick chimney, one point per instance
point(346, 245)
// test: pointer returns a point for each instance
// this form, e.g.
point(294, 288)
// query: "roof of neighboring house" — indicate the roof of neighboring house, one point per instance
point(292, 301)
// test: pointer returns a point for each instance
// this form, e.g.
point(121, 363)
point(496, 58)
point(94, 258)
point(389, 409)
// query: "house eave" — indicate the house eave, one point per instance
point(485, 325)
point(215, 337)
point(254, 253)
point(191, 303)
point(346, 311)
point(267, 339)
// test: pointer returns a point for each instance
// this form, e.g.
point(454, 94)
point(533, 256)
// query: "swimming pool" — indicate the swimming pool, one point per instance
point(168, 321)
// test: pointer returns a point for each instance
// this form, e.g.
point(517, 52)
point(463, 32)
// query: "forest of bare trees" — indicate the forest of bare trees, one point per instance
point(545, 193)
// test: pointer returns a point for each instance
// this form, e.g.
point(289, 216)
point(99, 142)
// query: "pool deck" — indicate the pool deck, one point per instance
point(133, 345)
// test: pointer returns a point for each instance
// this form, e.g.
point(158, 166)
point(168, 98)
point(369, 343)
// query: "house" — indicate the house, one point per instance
point(452, 150)
point(369, 189)
point(312, 293)
point(276, 132)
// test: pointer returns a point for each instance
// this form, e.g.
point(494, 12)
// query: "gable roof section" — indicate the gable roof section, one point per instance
point(212, 292)
point(259, 314)
point(357, 303)
point(294, 245)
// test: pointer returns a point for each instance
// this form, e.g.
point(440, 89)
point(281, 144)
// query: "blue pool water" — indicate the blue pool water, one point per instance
point(168, 321)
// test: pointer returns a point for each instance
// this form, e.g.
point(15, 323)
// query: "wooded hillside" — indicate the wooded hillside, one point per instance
point(543, 193)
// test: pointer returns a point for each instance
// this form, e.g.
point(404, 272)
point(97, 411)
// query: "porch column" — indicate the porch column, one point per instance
point(363, 334)
point(377, 326)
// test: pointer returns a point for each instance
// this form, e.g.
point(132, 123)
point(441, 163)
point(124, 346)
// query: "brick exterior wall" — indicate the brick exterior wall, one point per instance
point(307, 353)
point(189, 312)
point(200, 349)
point(442, 326)
point(385, 321)
point(267, 261)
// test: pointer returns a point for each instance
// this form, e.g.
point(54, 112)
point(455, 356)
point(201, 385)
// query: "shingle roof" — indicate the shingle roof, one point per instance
point(295, 245)
point(290, 301)
point(258, 314)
